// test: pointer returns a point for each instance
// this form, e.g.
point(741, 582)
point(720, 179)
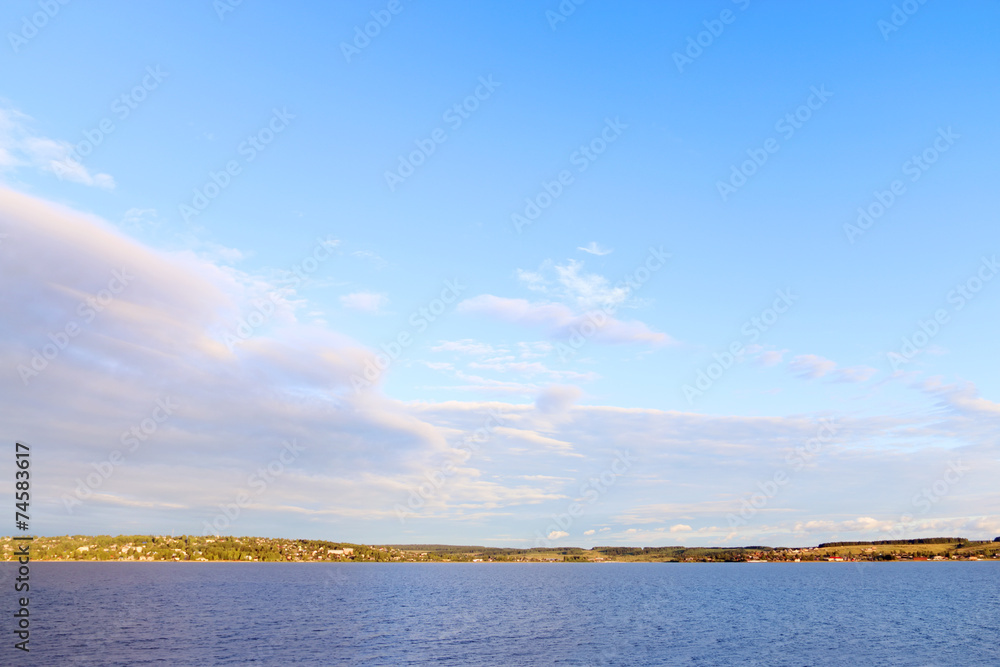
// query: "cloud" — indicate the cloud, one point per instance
point(533, 280)
point(571, 284)
point(163, 335)
point(594, 249)
point(557, 399)
point(854, 374)
point(559, 322)
point(587, 290)
point(368, 302)
point(137, 326)
point(589, 532)
point(680, 528)
point(537, 440)
point(372, 257)
point(557, 534)
point(21, 147)
point(139, 218)
point(766, 357)
point(811, 366)
point(466, 346)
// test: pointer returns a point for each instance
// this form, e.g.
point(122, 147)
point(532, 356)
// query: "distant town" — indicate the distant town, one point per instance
point(191, 548)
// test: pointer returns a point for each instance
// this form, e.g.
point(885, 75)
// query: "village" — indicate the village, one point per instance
point(190, 548)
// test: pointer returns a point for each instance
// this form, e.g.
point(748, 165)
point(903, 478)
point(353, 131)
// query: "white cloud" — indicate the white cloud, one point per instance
point(372, 257)
point(369, 302)
point(163, 335)
point(533, 280)
point(764, 356)
point(466, 346)
point(141, 217)
point(557, 399)
point(571, 284)
point(20, 147)
point(559, 322)
point(557, 534)
point(854, 374)
point(811, 366)
point(589, 532)
point(680, 528)
point(588, 290)
point(594, 249)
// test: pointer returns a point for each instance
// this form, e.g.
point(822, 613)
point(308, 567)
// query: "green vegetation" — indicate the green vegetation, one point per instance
point(263, 549)
point(194, 548)
point(922, 540)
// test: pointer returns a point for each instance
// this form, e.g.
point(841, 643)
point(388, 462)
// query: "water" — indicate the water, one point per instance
point(510, 614)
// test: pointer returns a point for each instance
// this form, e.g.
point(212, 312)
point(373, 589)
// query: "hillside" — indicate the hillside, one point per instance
point(265, 549)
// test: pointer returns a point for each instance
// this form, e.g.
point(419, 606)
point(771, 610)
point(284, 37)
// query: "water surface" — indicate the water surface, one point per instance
point(512, 614)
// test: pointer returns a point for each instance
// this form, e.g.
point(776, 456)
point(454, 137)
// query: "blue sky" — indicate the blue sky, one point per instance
point(630, 233)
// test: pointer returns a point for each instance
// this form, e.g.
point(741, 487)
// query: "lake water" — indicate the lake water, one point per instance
point(509, 614)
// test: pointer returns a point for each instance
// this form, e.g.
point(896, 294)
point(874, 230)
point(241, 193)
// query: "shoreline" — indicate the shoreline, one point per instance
point(536, 562)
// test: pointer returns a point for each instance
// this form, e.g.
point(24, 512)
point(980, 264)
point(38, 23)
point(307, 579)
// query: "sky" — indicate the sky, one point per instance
point(506, 274)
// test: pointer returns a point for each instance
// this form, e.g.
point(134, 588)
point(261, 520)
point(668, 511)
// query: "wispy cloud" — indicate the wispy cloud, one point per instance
point(21, 147)
point(369, 302)
point(812, 367)
point(164, 336)
point(559, 322)
point(594, 249)
point(371, 257)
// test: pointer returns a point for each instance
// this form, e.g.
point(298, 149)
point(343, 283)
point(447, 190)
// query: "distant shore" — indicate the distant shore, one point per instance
point(230, 549)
